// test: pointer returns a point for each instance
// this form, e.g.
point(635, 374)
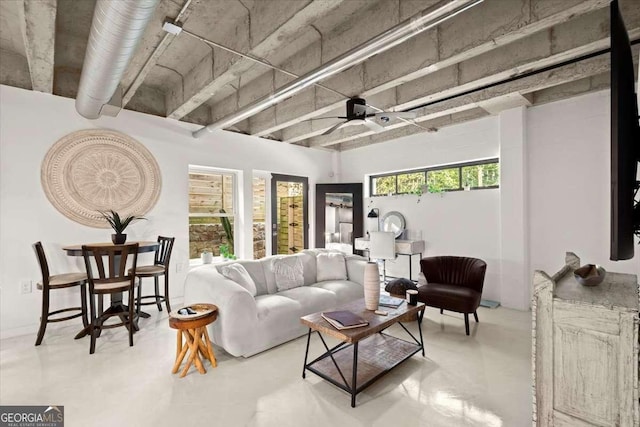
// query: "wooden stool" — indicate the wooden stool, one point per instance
point(196, 341)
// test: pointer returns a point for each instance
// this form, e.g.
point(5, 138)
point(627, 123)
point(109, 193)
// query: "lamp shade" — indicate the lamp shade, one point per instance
point(382, 245)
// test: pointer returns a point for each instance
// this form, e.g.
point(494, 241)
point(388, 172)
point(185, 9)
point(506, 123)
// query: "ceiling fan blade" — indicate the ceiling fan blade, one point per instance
point(333, 128)
point(321, 118)
point(373, 126)
point(386, 117)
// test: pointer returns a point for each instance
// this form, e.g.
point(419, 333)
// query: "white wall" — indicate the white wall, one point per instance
point(30, 122)
point(568, 149)
point(554, 195)
point(465, 223)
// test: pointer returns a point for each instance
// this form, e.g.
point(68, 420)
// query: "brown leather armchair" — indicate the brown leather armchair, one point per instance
point(453, 283)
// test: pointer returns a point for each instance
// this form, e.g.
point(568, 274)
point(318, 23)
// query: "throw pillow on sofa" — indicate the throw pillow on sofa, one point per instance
point(331, 266)
point(240, 275)
point(289, 272)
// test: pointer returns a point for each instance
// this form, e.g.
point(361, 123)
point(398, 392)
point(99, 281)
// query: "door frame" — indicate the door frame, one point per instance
point(274, 208)
point(354, 188)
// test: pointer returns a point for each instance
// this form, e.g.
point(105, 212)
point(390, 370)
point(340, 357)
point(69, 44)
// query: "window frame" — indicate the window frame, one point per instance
point(426, 171)
point(211, 170)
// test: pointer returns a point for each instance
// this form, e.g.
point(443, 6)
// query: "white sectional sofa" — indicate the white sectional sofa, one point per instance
point(253, 321)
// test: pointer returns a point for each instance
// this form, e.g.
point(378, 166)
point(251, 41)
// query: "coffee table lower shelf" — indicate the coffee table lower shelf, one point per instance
point(363, 362)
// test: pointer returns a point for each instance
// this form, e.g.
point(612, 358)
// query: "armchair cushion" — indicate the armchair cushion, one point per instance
point(448, 297)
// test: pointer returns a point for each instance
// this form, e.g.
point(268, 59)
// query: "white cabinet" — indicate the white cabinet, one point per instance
point(585, 350)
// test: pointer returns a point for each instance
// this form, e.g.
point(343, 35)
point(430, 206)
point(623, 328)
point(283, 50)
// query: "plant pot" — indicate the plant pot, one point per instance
point(118, 238)
point(371, 286)
point(207, 257)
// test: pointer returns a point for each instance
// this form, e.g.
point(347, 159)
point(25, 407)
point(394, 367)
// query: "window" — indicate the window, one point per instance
point(472, 175)
point(212, 195)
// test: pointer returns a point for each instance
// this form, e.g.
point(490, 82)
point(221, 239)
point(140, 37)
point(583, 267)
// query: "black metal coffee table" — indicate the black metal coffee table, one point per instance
point(365, 353)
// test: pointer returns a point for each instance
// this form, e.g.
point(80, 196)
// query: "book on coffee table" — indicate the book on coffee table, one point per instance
point(344, 319)
point(389, 301)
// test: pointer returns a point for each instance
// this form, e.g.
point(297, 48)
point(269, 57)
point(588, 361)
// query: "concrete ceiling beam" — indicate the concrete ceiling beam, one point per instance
point(455, 41)
point(279, 37)
point(39, 38)
point(150, 51)
point(537, 82)
point(527, 55)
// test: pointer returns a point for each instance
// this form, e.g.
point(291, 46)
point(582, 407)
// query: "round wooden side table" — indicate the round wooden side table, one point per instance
point(196, 341)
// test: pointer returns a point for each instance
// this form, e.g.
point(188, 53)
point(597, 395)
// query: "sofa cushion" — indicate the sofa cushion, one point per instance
point(239, 274)
point(288, 272)
point(345, 290)
point(255, 270)
point(308, 266)
point(311, 299)
point(331, 266)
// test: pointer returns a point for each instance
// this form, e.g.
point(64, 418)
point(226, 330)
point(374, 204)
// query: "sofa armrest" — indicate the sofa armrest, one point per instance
point(355, 268)
point(237, 312)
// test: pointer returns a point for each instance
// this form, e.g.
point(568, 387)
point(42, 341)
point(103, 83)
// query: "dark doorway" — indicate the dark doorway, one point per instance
point(339, 215)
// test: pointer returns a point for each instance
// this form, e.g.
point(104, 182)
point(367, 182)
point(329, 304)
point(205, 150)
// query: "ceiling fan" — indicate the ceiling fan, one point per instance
point(357, 115)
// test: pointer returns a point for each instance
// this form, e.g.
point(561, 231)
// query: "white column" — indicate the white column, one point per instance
point(515, 281)
point(244, 227)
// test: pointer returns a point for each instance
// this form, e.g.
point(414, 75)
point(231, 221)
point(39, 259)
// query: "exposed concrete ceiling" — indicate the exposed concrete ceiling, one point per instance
point(42, 46)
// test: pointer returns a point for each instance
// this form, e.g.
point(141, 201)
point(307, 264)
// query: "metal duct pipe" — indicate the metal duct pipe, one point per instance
point(116, 29)
point(390, 38)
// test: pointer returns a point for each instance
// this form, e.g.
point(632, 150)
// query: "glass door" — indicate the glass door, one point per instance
point(289, 214)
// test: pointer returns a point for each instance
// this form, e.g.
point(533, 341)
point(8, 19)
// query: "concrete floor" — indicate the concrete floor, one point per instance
point(480, 380)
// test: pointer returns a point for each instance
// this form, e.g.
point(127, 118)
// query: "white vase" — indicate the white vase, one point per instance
point(371, 286)
point(207, 257)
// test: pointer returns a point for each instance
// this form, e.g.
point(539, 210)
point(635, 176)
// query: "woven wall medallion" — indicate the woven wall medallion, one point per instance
point(96, 170)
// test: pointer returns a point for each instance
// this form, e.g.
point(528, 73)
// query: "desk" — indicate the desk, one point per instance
point(407, 248)
point(116, 300)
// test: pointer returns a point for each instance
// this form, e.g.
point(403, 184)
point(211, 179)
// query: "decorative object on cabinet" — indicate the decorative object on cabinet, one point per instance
point(585, 349)
point(382, 247)
point(590, 275)
point(394, 222)
point(92, 170)
point(371, 286)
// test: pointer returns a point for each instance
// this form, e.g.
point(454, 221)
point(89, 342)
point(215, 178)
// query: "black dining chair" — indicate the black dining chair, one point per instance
point(58, 281)
point(159, 268)
point(115, 267)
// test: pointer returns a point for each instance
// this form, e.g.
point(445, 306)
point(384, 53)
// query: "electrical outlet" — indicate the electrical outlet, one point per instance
point(25, 287)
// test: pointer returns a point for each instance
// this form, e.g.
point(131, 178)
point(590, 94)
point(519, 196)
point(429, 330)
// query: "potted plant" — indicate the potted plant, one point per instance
point(119, 225)
point(206, 256)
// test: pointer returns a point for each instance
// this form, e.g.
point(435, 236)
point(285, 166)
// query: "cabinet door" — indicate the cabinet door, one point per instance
point(592, 373)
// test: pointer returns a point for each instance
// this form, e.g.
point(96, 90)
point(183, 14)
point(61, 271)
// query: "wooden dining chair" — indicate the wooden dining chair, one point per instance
point(111, 277)
point(159, 268)
point(58, 281)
